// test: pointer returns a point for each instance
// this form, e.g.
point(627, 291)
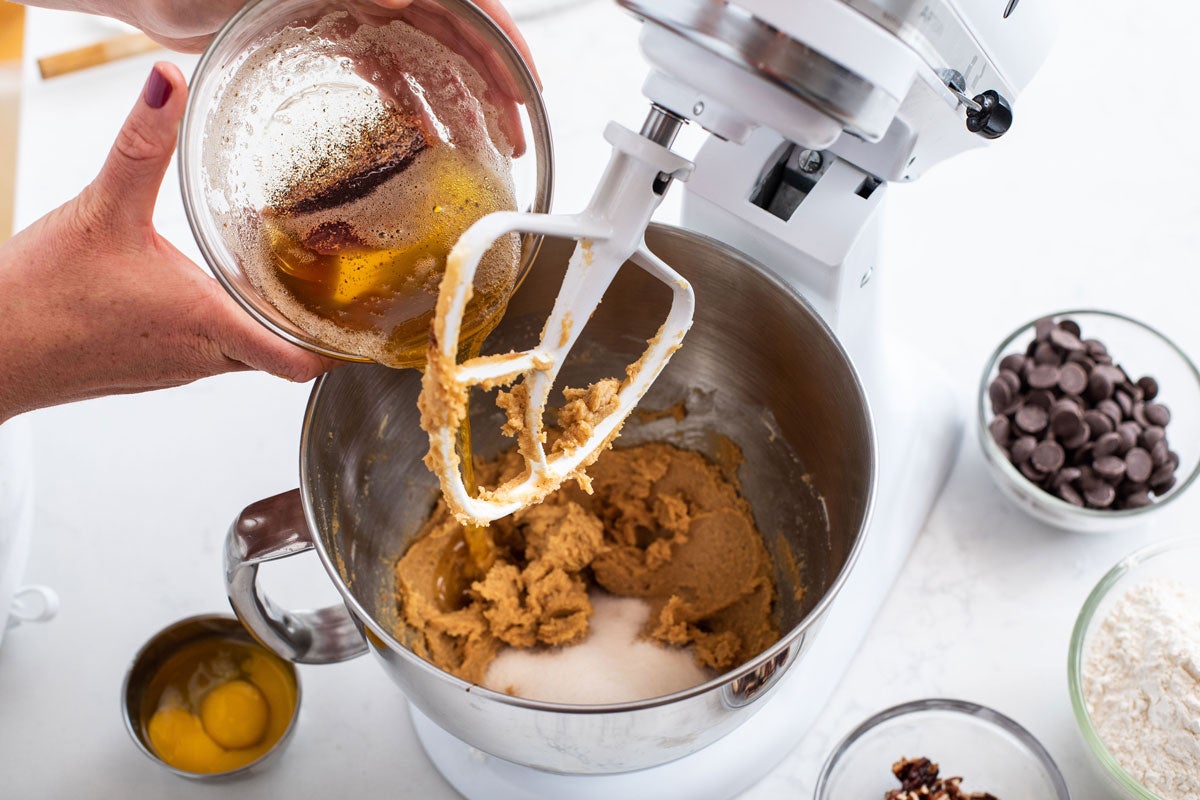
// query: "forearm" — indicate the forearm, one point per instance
point(117, 9)
point(32, 331)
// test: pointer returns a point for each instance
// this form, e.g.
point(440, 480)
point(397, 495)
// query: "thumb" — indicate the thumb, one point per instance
point(129, 180)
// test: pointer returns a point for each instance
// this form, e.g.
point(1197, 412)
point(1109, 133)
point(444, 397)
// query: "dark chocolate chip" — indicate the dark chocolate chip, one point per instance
point(1030, 471)
point(1042, 328)
point(1129, 432)
point(1042, 398)
point(1110, 468)
point(1160, 453)
point(1100, 386)
point(1149, 386)
point(1100, 495)
point(1070, 326)
point(1158, 414)
point(1111, 409)
point(1011, 408)
point(1060, 337)
point(1098, 421)
point(1137, 500)
point(1013, 362)
point(1151, 436)
point(1022, 449)
point(1065, 419)
point(1068, 493)
point(1124, 401)
point(1165, 486)
point(1043, 376)
point(1000, 430)
point(1048, 457)
point(1046, 354)
point(1067, 475)
point(1082, 359)
point(1031, 419)
point(1072, 379)
point(1012, 379)
point(1080, 438)
point(1128, 487)
point(1106, 445)
point(1138, 413)
point(1161, 475)
point(1000, 395)
point(1095, 347)
point(1138, 465)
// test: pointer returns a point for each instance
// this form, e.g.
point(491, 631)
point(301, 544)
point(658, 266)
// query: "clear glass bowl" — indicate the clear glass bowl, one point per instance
point(1144, 351)
point(237, 144)
point(1175, 559)
point(991, 752)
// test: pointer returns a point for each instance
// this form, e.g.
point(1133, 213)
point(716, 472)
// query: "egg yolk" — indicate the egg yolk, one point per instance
point(235, 714)
point(179, 738)
point(219, 705)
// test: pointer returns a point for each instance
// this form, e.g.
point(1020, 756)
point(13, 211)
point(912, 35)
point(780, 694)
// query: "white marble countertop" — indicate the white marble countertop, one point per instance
point(1090, 201)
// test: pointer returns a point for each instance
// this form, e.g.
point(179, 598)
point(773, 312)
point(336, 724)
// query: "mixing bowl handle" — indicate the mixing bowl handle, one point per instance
point(270, 529)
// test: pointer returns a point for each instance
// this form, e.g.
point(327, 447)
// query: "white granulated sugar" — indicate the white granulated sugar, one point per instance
point(613, 665)
point(1141, 682)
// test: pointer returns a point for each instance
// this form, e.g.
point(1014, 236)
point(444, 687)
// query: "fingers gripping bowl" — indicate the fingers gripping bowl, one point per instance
point(332, 153)
point(759, 368)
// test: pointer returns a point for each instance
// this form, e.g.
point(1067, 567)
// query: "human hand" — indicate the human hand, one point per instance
point(94, 301)
point(189, 25)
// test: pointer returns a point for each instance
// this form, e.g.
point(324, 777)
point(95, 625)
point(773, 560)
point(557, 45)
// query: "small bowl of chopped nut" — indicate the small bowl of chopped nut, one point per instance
point(1090, 420)
point(940, 748)
point(1132, 672)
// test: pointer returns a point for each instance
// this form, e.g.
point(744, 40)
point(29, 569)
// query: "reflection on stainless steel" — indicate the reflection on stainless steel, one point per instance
point(934, 31)
point(939, 36)
point(759, 367)
point(862, 107)
point(270, 529)
point(749, 686)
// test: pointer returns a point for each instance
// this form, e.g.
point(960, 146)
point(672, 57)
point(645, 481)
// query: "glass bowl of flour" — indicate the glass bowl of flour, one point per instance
point(1134, 672)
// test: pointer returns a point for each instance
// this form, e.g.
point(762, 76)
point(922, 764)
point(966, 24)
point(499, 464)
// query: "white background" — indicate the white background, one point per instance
point(1089, 201)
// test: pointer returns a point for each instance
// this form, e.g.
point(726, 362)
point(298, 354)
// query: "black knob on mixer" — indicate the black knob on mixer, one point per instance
point(994, 117)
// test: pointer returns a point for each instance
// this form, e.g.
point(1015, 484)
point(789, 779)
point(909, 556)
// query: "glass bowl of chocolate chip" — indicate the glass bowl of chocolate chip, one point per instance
point(940, 748)
point(1090, 420)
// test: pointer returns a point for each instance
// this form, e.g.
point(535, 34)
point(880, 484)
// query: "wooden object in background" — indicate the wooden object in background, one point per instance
point(118, 47)
point(12, 35)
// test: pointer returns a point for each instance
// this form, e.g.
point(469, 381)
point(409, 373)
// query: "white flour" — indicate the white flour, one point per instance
point(1141, 682)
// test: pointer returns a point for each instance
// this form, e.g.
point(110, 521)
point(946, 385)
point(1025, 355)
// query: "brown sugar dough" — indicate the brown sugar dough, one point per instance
point(662, 524)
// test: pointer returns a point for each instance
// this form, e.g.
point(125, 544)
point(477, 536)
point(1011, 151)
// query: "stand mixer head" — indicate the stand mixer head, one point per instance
point(894, 86)
point(890, 86)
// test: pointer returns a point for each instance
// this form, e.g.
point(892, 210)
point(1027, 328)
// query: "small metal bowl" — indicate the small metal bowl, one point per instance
point(154, 654)
point(1175, 559)
point(990, 751)
point(1140, 348)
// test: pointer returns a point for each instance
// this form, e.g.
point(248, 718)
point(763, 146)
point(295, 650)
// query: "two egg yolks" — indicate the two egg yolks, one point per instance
point(235, 722)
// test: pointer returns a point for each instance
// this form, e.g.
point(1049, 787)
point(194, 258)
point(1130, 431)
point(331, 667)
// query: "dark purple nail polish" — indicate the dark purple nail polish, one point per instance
point(158, 89)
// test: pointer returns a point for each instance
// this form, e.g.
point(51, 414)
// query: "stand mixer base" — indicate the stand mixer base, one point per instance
point(918, 429)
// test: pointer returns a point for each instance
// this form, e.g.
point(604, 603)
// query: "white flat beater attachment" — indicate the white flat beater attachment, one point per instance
point(609, 232)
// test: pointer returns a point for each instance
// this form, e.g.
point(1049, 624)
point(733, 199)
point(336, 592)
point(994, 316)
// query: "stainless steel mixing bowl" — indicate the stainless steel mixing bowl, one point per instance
point(759, 368)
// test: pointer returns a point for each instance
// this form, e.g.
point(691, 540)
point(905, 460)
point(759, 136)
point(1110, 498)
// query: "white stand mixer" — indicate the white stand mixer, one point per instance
point(814, 106)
